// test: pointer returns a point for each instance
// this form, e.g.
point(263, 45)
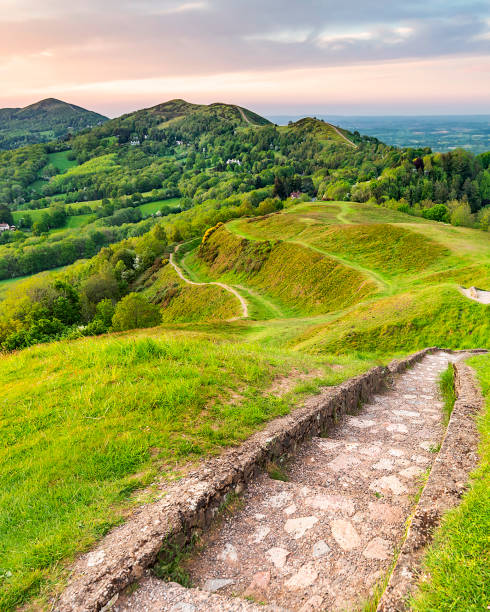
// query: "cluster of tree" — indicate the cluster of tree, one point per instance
point(86, 299)
point(17, 259)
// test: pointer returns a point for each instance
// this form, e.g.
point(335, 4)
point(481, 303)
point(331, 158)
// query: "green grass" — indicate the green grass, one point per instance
point(130, 404)
point(60, 160)
point(434, 316)
point(310, 283)
point(184, 303)
point(446, 384)
point(457, 563)
point(153, 207)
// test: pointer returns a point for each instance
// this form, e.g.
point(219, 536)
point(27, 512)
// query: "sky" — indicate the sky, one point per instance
point(275, 56)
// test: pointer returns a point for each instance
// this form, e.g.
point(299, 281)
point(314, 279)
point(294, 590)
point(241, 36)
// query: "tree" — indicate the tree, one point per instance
point(6, 215)
point(135, 311)
point(461, 215)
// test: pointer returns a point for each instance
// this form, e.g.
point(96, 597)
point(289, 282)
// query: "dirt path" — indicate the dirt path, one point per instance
point(244, 116)
point(243, 303)
point(478, 295)
point(352, 144)
point(323, 538)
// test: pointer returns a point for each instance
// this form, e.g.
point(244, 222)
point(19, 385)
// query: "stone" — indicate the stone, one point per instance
point(412, 471)
point(258, 587)
point(312, 605)
point(343, 462)
point(384, 464)
point(290, 509)
point(306, 576)
point(277, 556)
point(331, 503)
point(388, 484)
point(396, 452)
point(361, 423)
point(183, 606)
point(345, 534)
point(378, 549)
point(320, 549)
point(299, 526)
point(95, 558)
point(215, 584)
point(260, 534)
point(406, 413)
point(385, 512)
point(280, 500)
point(228, 554)
point(397, 428)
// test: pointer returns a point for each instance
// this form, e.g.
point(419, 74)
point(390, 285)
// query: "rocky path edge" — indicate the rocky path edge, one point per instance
point(446, 484)
point(190, 504)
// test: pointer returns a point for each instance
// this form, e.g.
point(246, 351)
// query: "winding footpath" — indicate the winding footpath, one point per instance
point(323, 538)
point(478, 295)
point(243, 303)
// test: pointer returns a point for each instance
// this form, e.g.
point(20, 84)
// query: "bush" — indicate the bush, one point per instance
point(439, 212)
point(134, 311)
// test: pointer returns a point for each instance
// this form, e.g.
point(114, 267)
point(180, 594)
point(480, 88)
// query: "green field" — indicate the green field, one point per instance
point(60, 161)
point(328, 292)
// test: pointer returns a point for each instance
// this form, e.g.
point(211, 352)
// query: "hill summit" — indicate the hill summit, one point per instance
point(43, 121)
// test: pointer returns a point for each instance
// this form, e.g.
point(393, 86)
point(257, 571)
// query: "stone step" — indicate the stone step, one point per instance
point(296, 546)
point(344, 466)
point(153, 595)
point(323, 539)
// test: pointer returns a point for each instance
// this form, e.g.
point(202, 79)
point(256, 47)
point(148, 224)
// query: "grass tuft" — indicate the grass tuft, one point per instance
point(446, 385)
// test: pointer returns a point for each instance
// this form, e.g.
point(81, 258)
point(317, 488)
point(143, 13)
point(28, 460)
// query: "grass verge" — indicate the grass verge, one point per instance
point(457, 564)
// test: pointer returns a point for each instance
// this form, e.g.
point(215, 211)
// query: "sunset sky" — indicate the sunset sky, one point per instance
point(275, 56)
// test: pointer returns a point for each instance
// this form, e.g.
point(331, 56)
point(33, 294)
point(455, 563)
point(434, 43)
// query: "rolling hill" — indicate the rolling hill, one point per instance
point(330, 290)
point(43, 121)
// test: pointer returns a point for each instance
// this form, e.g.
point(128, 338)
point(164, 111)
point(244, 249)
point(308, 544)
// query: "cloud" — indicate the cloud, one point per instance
point(48, 44)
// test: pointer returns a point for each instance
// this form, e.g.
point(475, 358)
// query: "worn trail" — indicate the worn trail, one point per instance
point(326, 536)
point(243, 303)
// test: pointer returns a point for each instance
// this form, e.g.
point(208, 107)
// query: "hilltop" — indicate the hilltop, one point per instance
point(43, 121)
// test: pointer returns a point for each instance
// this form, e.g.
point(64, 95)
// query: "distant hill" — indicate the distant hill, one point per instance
point(43, 121)
point(174, 112)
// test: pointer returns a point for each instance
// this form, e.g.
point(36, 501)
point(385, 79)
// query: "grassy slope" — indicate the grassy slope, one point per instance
point(458, 561)
point(131, 404)
point(417, 266)
point(184, 303)
point(310, 283)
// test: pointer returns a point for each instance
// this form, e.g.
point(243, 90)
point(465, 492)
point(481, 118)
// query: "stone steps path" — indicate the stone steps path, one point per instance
point(323, 539)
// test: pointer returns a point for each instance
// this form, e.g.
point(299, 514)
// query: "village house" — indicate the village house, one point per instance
point(5, 227)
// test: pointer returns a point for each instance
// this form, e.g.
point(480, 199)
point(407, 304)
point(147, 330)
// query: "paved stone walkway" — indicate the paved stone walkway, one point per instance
point(324, 538)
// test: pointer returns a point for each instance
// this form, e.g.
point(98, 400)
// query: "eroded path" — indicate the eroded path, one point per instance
point(325, 537)
point(176, 267)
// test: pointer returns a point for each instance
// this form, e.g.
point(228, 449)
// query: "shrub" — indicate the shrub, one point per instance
point(135, 311)
point(439, 212)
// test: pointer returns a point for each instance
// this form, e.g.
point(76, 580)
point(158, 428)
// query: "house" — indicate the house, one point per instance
point(295, 195)
point(233, 161)
point(5, 227)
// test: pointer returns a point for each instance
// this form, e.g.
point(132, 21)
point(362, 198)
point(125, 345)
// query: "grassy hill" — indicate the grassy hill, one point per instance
point(331, 291)
point(43, 121)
